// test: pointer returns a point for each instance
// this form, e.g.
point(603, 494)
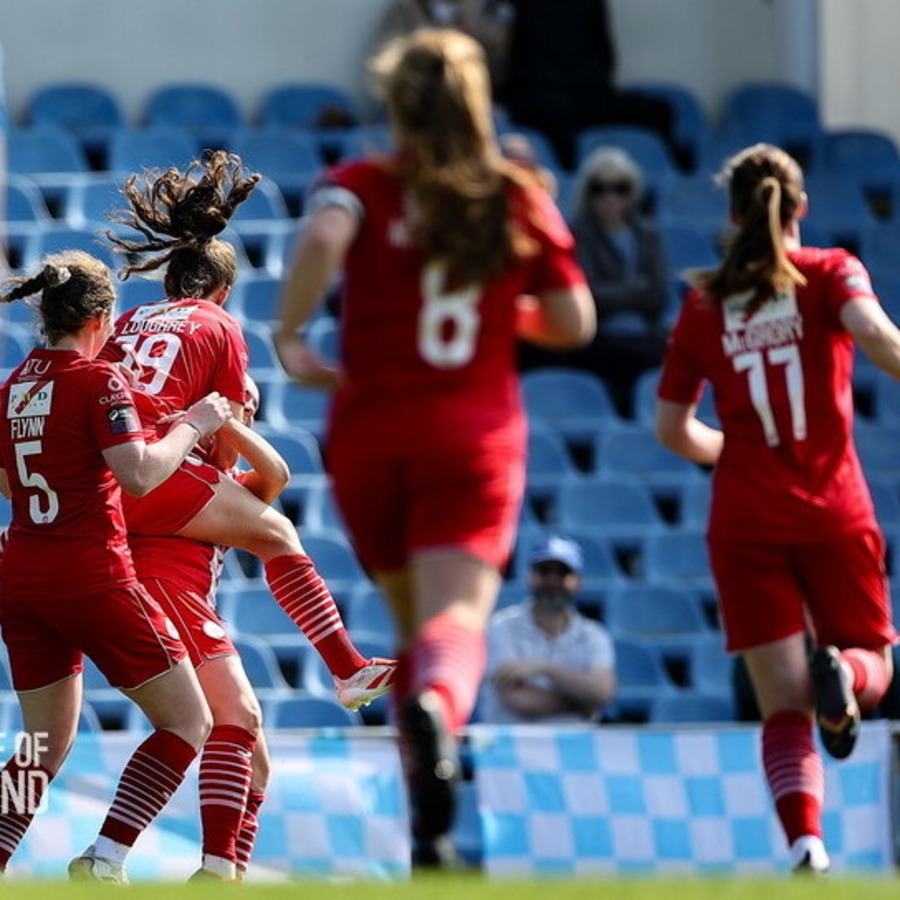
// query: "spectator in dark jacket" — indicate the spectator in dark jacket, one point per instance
point(623, 257)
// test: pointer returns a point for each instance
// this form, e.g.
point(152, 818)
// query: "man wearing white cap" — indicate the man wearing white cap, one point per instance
point(546, 661)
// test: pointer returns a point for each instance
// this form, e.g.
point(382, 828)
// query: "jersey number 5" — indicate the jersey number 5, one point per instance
point(37, 481)
point(754, 364)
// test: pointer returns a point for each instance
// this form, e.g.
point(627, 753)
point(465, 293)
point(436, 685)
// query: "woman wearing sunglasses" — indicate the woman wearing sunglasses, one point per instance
point(623, 258)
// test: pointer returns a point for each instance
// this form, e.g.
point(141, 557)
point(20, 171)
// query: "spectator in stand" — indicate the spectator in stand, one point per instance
point(546, 661)
point(449, 252)
point(70, 442)
point(793, 539)
point(560, 75)
point(484, 20)
point(623, 257)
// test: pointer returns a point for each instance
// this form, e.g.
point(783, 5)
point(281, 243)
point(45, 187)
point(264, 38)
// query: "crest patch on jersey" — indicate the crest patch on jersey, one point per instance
point(30, 398)
point(162, 312)
point(123, 420)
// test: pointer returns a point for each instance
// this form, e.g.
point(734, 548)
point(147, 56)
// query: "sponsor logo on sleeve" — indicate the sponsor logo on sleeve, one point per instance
point(123, 420)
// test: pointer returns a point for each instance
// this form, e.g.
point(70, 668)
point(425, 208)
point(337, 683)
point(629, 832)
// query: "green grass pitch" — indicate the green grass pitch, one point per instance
point(475, 887)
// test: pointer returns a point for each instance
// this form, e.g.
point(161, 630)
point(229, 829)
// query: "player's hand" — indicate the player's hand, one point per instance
point(209, 414)
point(304, 364)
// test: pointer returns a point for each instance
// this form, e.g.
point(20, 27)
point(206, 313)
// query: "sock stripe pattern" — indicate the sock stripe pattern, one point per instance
point(224, 781)
point(871, 677)
point(449, 657)
point(149, 779)
point(300, 591)
point(795, 772)
point(20, 796)
point(246, 838)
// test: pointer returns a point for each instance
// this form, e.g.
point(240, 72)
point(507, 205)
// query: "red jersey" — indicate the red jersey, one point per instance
point(789, 472)
point(67, 534)
point(405, 339)
point(178, 352)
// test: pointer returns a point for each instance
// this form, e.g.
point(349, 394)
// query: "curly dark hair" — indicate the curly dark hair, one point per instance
point(179, 214)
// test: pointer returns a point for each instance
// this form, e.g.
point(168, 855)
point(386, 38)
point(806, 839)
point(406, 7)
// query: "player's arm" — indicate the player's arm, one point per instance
point(269, 473)
point(318, 258)
point(678, 428)
point(222, 453)
point(561, 318)
point(872, 329)
point(140, 467)
point(4, 484)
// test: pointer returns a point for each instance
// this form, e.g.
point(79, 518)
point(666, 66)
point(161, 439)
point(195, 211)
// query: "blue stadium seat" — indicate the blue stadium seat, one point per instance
point(290, 405)
point(305, 710)
point(691, 708)
point(641, 677)
point(694, 201)
point(690, 119)
point(44, 150)
point(289, 158)
point(24, 201)
point(574, 402)
point(261, 666)
point(299, 104)
point(91, 111)
point(867, 156)
point(14, 347)
point(689, 247)
point(710, 668)
point(645, 400)
point(646, 147)
point(367, 612)
point(776, 112)
point(133, 149)
point(54, 240)
point(694, 500)
point(549, 458)
point(616, 507)
point(138, 292)
point(320, 511)
point(839, 209)
point(669, 617)
point(254, 612)
point(208, 112)
point(265, 202)
point(335, 560)
point(636, 453)
point(676, 557)
point(263, 361)
point(876, 448)
point(89, 200)
point(324, 336)
point(256, 299)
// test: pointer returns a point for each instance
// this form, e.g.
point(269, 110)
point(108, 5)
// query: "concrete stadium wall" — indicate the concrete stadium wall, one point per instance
point(843, 52)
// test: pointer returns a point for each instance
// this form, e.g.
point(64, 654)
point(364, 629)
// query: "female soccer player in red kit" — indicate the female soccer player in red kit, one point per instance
point(449, 253)
point(793, 541)
point(188, 343)
point(69, 437)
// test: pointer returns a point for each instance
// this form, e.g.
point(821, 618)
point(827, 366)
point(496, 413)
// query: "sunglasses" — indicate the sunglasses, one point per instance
point(600, 188)
point(552, 568)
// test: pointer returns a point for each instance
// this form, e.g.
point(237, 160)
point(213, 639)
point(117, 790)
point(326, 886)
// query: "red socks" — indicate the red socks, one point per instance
point(449, 658)
point(224, 783)
point(300, 591)
point(152, 775)
point(871, 676)
point(795, 773)
point(249, 828)
point(21, 790)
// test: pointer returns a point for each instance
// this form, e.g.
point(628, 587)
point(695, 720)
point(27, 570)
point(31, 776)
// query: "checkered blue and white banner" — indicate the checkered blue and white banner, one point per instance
point(615, 801)
point(336, 807)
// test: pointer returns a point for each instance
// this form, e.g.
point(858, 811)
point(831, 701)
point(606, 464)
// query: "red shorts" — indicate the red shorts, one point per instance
point(122, 630)
point(397, 501)
point(197, 622)
point(170, 507)
point(837, 588)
